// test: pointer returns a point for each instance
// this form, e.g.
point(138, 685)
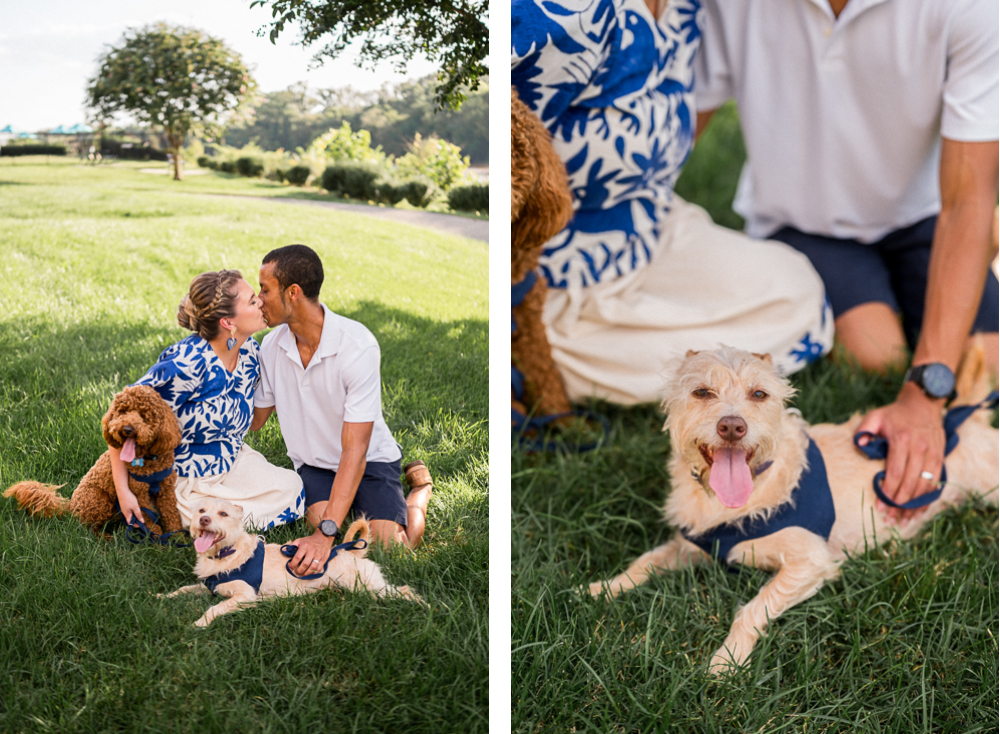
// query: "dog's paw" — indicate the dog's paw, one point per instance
point(203, 622)
point(723, 663)
point(598, 590)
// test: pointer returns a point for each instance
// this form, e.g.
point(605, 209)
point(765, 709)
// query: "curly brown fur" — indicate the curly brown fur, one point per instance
point(540, 206)
point(154, 428)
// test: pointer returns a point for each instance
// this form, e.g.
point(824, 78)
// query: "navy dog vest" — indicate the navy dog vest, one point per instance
point(810, 507)
point(252, 572)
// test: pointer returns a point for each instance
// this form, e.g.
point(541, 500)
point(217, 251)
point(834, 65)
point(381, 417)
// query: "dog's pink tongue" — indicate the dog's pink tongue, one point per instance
point(730, 477)
point(128, 450)
point(204, 541)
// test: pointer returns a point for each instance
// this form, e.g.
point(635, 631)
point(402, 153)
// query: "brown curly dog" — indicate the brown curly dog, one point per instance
point(540, 206)
point(145, 430)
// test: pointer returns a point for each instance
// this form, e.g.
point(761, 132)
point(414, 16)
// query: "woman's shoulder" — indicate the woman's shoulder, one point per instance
point(188, 353)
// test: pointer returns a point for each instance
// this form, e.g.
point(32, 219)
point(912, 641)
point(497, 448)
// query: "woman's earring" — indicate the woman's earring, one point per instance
point(231, 341)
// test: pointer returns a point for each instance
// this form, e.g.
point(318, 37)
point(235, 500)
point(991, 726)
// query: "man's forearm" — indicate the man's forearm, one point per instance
point(960, 260)
point(345, 486)
point(960, 255)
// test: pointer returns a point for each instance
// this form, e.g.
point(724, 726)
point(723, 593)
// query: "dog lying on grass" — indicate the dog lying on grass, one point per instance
point(145, 430)
point(241, 567)
point(739, 478)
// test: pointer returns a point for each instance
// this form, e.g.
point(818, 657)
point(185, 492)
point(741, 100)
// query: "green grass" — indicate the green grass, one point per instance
point(95, 261)
point(905, 641)
point(206, 181)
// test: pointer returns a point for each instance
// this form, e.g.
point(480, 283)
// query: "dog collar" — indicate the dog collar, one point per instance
point(140, 460)
point(227, 551)
point(696, 475)
point(153, 480)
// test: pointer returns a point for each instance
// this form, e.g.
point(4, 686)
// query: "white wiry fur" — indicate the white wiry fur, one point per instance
point(728, 382)
point(348, 569)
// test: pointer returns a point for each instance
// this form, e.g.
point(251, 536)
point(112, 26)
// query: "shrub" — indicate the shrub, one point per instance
point(227, 166)
point(333, 179)
point(416, 192)
point(204, 161)
point(250, 167)
point(359, 182)
point(298, 175)
point(440, 161)
point(388, 193)
point(474, 198)
point(16, 150)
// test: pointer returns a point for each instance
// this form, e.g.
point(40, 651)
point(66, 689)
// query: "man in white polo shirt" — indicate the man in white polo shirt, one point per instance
point(320, 371)
point(871, 129)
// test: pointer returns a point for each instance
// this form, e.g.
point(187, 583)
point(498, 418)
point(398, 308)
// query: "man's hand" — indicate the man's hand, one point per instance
point(313, 552)
point(913, 427)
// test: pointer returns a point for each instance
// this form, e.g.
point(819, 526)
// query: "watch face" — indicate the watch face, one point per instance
point(328, 528)
point(938, 380)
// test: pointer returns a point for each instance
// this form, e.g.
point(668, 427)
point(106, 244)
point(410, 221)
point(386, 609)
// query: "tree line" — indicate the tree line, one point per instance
point(294, 117)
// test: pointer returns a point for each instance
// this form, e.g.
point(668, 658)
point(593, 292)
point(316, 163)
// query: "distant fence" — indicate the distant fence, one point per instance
point(131, 151)
point(14, 150)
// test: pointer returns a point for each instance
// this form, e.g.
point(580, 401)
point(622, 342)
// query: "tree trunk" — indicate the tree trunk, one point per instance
point(175, 142)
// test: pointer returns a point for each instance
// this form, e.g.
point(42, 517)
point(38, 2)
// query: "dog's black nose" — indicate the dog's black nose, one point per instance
point(731, 428)
point(204, 520)
point(128, 431)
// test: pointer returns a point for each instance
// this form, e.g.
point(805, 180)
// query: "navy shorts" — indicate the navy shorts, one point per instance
point(379, 496)
point(891, 271)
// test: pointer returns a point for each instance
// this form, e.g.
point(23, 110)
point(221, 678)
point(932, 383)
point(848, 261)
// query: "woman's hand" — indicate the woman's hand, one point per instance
point(130, 506)
point(126, 498)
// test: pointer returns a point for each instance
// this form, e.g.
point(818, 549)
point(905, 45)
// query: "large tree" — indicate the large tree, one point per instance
point(179, 80)
point(451, 33)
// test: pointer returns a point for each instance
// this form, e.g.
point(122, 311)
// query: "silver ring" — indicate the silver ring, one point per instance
point(316, 562)
point(927, 475)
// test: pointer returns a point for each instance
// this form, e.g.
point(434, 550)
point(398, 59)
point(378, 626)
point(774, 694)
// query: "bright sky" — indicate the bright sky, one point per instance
point(49, 49)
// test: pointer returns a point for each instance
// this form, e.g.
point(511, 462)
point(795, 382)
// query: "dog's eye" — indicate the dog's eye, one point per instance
point(223, 514)
point(759, 395)
point(700, 393)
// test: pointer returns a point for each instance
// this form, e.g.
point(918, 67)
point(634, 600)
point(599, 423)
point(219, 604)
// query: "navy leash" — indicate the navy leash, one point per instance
point(521, 423)
point(145, 535)
point(878, 448)
point(289, 551)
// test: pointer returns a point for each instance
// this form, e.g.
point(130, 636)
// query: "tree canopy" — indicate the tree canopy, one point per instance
point(394, 115)
point(451, 33)
point(177, 79)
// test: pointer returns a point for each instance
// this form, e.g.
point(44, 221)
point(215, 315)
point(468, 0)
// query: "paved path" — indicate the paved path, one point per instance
point(477, 229)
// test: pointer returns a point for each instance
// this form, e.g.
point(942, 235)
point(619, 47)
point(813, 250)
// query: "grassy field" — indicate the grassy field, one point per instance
point(905, 641)
point(94, 263)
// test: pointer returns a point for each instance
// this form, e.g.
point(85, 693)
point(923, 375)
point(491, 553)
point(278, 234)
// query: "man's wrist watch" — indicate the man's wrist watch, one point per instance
point(328, 528)
point(934, 378)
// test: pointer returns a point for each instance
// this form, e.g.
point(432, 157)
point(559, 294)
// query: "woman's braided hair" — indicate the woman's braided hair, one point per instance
point(212, 296)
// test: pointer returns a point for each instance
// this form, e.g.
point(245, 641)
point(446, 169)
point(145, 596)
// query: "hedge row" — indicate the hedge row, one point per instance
point(364, 182)
point(354, 181)
point(474, 198)
point(132, 152)
point(16, 150)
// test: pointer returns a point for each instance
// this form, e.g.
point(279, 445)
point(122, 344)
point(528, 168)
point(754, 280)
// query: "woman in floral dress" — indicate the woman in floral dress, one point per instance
point(208, 379)
point(640, 276)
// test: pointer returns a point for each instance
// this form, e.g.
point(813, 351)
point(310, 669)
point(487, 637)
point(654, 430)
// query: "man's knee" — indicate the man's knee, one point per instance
point(871, 336)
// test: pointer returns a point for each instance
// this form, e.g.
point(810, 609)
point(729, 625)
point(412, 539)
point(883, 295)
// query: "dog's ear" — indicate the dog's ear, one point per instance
point(239, 507)
point(105, 430)
point(763, 357)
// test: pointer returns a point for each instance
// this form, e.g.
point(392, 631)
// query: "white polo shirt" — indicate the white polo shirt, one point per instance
point(341, 384)
point(843, 118)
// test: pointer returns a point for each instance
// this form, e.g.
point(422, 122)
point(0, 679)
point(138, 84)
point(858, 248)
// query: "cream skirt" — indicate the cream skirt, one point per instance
point(268, 494)
point(706, 286)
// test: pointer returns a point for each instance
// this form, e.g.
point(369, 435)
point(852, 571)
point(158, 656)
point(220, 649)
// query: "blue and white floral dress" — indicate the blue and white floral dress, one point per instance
point(215, 409)
point(640, 276)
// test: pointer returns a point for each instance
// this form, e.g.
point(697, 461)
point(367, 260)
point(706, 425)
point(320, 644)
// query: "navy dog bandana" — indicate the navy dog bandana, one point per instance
point(810, 507)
